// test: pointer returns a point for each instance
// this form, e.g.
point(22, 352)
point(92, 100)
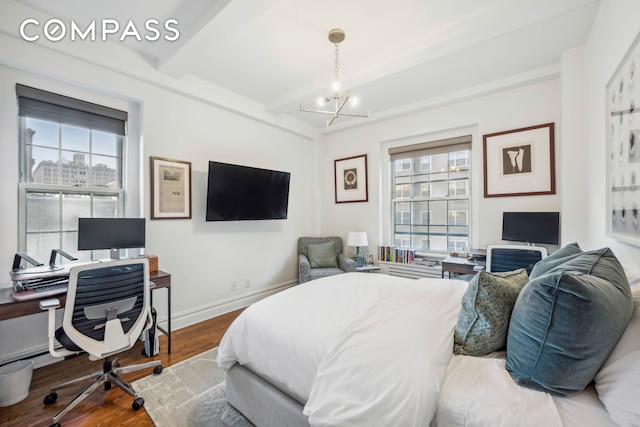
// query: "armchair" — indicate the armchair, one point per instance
point(107, 309)
point(320, 257)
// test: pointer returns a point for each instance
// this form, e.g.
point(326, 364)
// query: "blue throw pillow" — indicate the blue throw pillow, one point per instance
point(567, 321)
point(555, 259)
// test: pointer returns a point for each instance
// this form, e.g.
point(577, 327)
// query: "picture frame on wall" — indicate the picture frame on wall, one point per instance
point(351, 179)
point(170, 189)
point(520, 162)
point(623, 158)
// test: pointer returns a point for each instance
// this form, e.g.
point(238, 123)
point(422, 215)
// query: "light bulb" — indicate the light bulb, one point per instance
point(354, 101)
point(321, 101)
point(335, 86)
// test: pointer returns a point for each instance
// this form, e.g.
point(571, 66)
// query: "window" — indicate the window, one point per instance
point(71, 166)
point(431, 195)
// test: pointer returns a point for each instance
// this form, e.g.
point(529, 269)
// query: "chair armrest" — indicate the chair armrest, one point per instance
point(49, 303)
point(304, 269)
point(346, 264)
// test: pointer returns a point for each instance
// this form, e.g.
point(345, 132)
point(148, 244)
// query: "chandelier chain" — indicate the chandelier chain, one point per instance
point(337, 70)
point(340, 99)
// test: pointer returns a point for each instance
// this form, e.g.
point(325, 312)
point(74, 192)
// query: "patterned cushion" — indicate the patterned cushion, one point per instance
point(486, 309)
point(322, 255)
point(567, 321)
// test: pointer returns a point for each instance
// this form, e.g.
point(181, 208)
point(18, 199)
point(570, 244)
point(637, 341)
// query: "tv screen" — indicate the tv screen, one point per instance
point(110, 233)
point(531, 227)
point(241, 193)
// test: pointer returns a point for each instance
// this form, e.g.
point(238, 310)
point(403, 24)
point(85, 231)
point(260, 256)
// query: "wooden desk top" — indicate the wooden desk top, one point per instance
point(10, 308)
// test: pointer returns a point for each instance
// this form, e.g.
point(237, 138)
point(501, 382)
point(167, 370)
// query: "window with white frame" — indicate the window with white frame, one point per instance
point(71, 166)
point(431, 195)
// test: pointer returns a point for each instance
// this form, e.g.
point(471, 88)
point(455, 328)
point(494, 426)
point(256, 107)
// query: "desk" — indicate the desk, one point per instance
point(459, 265)
point(10, 308)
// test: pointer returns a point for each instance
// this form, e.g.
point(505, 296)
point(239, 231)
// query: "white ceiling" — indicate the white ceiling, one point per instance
point(397, 56)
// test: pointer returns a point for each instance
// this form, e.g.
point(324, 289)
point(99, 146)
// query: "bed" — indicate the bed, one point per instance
point(363, 349)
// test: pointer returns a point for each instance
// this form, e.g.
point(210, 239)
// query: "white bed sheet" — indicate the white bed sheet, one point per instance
point(479, 392)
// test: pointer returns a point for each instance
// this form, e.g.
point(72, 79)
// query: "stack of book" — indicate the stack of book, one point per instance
point(393, 254)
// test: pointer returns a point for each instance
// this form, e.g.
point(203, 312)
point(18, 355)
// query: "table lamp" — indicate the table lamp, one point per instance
point(357, 239)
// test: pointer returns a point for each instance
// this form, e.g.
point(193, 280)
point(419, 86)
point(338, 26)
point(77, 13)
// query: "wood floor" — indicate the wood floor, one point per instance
point(113, 407)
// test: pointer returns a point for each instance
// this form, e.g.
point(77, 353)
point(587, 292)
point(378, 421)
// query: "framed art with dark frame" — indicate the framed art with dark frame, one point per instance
point(520, 162)
point(351, 179)
point(170, 189)
point(622, 135)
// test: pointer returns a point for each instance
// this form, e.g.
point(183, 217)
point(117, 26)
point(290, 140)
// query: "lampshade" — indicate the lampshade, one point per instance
point(357, 238)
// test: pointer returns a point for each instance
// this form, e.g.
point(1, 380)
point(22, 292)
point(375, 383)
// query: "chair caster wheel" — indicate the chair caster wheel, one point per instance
point(50, 398)
point(157, 370)
point(107, 386)
point(137, 403)
point(55, 425)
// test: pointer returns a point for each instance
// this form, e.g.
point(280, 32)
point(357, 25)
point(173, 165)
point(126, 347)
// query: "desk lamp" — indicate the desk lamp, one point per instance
point(357, 239)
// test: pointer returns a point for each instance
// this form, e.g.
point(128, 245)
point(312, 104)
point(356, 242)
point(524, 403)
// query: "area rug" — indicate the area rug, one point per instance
point(190, 393)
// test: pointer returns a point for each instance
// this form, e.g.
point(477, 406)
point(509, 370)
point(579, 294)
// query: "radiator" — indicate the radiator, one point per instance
point(411, 271)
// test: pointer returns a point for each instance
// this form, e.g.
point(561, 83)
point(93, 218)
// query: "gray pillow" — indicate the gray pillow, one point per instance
point(322, 255)
point(483, 321)
point(567, 321)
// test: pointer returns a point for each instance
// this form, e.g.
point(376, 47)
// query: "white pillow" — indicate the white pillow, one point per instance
point(618, 381)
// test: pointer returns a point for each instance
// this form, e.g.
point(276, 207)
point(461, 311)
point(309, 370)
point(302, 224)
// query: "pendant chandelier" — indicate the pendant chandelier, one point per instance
point(336, 36)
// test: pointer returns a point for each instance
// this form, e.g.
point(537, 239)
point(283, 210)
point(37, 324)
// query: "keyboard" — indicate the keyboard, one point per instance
point(40, 288)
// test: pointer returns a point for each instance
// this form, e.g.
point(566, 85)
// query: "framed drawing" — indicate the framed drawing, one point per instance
point(519, 162)
point(351, 179)
point(623, 133)
point(170, 189)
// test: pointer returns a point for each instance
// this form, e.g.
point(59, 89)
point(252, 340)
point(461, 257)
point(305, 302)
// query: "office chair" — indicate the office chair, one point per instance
point(106, 311)
point(512, 257)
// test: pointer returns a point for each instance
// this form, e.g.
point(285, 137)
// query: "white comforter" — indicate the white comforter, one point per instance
point(360, 349)
point(373, 350)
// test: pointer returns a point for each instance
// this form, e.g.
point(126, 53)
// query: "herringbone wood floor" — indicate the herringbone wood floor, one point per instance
point(113, 407)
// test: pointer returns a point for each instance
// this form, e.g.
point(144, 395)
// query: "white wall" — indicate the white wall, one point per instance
point(612, 35)
point(203, 257)
point(527, 106)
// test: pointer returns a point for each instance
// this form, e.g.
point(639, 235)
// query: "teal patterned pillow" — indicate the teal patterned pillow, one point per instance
point(483, 322)
point(322, 255)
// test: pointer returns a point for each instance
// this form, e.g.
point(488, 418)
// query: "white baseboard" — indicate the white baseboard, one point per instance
point(206, 312)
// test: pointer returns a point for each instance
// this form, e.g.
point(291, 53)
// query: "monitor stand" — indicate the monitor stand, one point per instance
point(115, 253)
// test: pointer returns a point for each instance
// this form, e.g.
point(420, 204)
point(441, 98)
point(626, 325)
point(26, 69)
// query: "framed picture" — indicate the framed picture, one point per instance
point(519, 162)
point(368, 259)
point(351, 179)
point(622, 135)
point(170, 189)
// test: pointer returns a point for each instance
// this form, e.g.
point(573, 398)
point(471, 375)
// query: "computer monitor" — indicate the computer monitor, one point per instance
point(111, 233)
point(531, 227)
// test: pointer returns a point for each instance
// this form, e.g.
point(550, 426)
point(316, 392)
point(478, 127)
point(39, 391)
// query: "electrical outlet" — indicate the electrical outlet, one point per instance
point(234, 286)
point(247, 283)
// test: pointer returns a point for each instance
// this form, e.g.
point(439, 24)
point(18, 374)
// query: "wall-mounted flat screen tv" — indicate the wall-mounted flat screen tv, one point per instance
point(242, 193)
point(531, 227)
